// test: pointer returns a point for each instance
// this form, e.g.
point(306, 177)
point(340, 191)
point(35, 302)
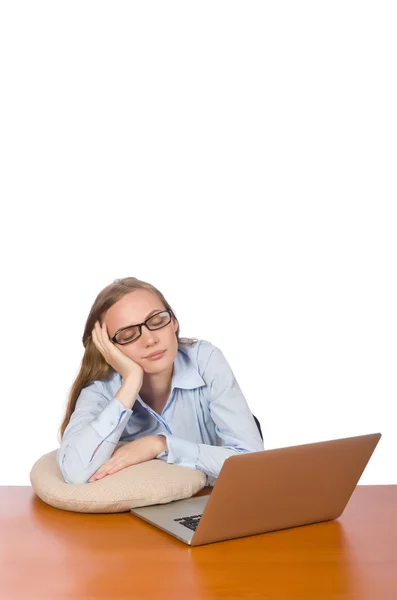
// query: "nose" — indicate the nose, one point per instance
point(148, 337)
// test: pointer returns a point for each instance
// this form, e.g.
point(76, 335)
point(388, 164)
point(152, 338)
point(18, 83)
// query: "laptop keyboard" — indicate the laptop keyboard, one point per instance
point(189, 522)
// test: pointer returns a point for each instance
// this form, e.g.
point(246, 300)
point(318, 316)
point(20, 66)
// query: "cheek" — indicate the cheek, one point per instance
point(171, 336)
point(172, 342)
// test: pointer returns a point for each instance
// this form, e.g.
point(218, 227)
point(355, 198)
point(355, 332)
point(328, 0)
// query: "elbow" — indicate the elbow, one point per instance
point(75, 478)
point(72, 473)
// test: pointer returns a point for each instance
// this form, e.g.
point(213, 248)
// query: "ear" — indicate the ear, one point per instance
point(175, 323)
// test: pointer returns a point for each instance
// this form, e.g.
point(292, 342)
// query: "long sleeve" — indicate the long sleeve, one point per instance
point(235, 426)
point(97, 423)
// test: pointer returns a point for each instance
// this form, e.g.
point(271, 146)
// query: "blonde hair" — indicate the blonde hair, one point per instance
point(93, 365)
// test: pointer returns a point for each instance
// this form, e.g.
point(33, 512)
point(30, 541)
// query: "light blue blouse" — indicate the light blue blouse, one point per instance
point(205, 420)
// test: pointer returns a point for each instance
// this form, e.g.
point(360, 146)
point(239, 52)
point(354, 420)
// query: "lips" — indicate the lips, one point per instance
point(155, 354)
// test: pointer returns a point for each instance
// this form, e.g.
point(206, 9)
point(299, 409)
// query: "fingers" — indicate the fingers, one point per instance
point(96, 477)
point(131, 453)
point(96, 336)
point(104, 333)
point(113, 465)
point(101, 334)
point(101, 339)
point(101, 473)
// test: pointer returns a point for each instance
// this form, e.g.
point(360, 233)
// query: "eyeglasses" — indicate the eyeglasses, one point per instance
point(133, 332)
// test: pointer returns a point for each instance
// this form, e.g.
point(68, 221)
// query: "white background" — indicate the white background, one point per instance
point(241, 157)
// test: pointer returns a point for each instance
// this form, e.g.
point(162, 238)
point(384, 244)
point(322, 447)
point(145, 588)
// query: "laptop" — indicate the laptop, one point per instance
point(269, 490)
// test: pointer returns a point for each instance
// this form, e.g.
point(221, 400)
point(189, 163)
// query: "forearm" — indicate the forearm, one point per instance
point(128, 392)
point(83, 451)
point(73, 466)
point(205, 457)
point(89, 442)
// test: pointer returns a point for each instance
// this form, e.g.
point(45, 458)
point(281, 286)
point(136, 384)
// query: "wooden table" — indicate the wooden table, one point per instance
point(46, 553)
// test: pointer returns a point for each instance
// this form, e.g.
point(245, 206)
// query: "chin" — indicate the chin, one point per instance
point(157, 369)
point(161, 365)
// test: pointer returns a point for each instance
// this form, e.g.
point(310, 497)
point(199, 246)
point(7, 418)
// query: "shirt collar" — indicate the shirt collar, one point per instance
point(185, 375)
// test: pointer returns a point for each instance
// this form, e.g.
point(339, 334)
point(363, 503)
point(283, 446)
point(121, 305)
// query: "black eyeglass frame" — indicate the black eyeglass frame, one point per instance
point(140, 325)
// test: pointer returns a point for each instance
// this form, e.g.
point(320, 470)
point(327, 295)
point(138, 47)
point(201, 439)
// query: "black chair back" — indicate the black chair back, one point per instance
point(258, 426)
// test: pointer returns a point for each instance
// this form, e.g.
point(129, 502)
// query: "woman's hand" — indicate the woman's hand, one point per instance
point(113, 356)
point(138, 451)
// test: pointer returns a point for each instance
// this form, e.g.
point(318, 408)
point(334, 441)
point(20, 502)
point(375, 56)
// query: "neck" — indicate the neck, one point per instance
point(156, 387)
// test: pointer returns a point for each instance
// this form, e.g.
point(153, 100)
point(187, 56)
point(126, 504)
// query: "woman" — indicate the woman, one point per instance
point(168, 398)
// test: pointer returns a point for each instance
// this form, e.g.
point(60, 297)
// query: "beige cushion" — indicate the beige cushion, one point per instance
point(151, 482)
